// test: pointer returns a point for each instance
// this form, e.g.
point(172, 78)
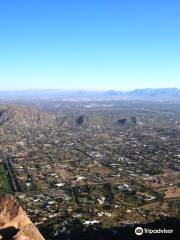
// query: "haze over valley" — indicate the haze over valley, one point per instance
point(87, 168)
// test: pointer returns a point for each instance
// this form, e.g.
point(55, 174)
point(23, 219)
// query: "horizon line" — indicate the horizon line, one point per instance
point(86, 90)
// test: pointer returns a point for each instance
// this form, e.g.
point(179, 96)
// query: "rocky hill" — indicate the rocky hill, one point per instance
point(130, 121)
point(22, 115)
point(14, 223)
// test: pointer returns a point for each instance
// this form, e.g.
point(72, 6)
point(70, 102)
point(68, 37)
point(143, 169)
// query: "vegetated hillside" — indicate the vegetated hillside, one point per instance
point(14, 223)
point(18, 115)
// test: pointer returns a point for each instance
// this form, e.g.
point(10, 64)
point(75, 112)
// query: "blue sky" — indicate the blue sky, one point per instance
point(89, 44)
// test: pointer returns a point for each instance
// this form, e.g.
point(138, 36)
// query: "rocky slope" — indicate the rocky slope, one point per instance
point(22, 115)
point(14, 223)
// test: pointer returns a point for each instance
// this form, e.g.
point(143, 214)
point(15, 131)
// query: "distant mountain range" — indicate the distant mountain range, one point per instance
point(168, 94)
point(147, 93)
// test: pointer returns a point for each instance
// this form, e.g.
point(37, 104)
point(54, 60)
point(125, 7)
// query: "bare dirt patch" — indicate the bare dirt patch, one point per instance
point(173, 192)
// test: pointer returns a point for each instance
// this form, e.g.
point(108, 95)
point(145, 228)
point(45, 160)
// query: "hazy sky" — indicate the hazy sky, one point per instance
point(89, 44)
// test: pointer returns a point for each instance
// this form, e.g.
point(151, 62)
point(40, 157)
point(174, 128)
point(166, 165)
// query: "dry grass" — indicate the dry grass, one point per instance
point(173, 192)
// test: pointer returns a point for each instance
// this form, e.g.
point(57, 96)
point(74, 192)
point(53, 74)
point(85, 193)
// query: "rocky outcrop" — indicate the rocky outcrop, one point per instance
point(14, 223)
point(82, 120)
point(130, 121)
point(122, 121)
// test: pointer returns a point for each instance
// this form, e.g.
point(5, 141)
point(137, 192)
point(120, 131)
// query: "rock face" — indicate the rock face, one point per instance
point(127, 121)
point(81, 120)
point(14, 223)
point(122, 121)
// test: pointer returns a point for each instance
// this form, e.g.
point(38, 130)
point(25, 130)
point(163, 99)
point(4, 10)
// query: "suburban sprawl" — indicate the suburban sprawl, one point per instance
point(77, 166)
